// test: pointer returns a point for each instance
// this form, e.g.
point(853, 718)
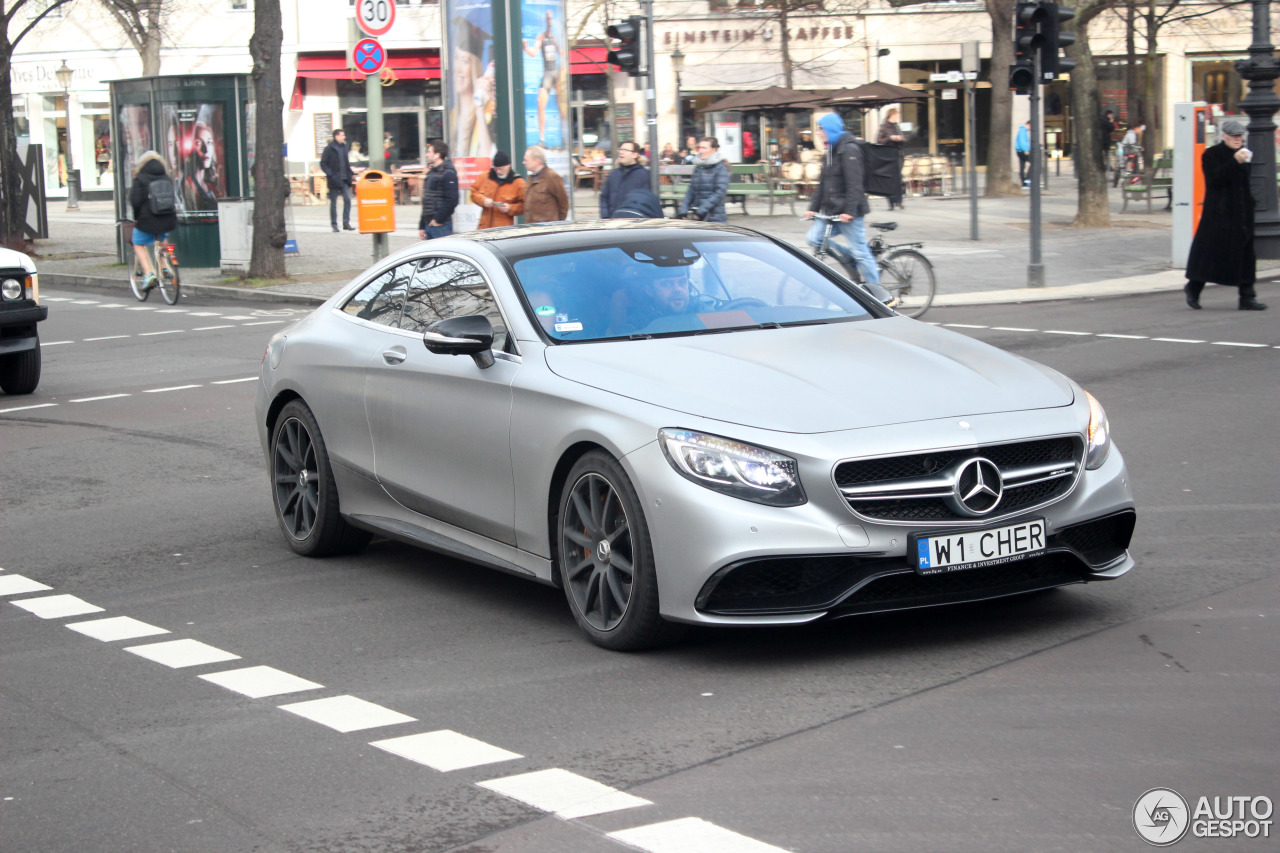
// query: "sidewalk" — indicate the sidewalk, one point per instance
point(1132, 256)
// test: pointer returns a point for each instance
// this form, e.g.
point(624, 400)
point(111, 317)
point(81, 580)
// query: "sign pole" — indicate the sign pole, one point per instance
point(1035, 269)
point(970, 64)
point(650, 97)
point(377, 151)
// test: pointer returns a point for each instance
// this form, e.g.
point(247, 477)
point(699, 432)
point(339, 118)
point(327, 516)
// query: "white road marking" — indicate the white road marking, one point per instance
point(179, 653)
point(1013, 329)
point(259, 681)
point(240, 317)
point(211, 328)
point(168, 332)
point(1125, 337)
point(95, 399)
point(84, 302)
point(57, 606)
point(689, 834)
point(174, 310)
point(24, 408)
point(262, 323)
point(174, 388)
point(19, 584)
point(1236, 344)
point(963, 326)
point(55, 299)
point(205, 314)
point(116, 628)
point(113, 305)
point(564, 794)
point(347, 713)
point(1178, 340)
point(1063, 332)
point(445, 750)
point(142, 308)
point(107, 338)
point(55, 343)
point(233, 381)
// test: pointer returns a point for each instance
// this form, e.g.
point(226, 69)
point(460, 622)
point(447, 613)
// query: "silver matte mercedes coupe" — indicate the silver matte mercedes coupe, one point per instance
point(682, 423)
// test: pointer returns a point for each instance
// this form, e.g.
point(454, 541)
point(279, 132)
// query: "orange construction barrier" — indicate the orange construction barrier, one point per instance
point(375, 203)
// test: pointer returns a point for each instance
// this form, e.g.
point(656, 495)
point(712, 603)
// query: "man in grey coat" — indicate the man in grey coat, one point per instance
point(708, 185)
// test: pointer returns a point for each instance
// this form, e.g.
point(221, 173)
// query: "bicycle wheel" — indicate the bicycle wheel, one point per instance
point(908, 275)
point(136, 277)
point(170, 288)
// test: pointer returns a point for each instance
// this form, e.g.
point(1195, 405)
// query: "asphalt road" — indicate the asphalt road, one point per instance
point(133, 481)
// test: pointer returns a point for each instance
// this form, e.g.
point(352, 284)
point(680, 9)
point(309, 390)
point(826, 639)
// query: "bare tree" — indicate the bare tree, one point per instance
point(12, 219)
point(1093, 209)
point(269, 184)
point(143, 24)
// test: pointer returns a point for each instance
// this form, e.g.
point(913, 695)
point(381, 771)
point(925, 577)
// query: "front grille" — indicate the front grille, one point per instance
point(919, 487)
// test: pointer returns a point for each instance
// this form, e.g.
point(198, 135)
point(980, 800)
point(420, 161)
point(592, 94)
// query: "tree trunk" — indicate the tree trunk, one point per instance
point(784, 31)
point(1000, 181)
point(270, 186)
point(12, 229)
point(1093, 207)
point(1151, 140)
point(1132, 111)
point(152, 39)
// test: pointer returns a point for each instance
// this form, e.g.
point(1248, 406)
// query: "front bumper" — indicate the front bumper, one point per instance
point(726, 561)
point(18, 321)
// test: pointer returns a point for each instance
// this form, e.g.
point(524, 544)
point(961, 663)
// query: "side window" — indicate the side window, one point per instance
point(444, 288)
point(381, 300)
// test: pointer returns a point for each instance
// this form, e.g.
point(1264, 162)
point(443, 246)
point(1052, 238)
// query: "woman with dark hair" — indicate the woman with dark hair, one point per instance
point(200, 185)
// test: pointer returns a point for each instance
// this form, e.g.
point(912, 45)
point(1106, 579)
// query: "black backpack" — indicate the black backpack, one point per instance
point(161, 196)
point(881, 169)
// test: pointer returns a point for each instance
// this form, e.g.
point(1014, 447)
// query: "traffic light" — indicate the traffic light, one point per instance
point(1053, 39)
point(626, 53)
point(1026, 36)
point(1022, 76)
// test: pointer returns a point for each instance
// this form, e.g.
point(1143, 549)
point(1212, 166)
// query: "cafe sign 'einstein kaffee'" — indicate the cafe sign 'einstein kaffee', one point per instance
point(824, 33)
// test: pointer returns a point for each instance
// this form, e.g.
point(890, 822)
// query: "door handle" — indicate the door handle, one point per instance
point(395, 355)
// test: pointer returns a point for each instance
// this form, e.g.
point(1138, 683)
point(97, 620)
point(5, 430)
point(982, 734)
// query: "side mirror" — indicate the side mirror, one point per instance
point(879, 294)
point(472, 335)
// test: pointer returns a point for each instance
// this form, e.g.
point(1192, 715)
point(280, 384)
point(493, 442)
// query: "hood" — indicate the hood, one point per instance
point(150, 163)
point(812, 379)
point(833, 126)
point(9, 259)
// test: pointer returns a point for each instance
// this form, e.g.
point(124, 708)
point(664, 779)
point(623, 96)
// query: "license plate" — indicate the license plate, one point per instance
point(974, 549)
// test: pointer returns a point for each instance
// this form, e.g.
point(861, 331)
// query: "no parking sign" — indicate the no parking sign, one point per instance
point(368, 57)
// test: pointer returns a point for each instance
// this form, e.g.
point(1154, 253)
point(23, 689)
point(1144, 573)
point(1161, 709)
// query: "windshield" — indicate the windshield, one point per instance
point(673, 286)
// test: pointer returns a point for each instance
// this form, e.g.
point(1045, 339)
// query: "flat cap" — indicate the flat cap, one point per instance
point(1231, 127)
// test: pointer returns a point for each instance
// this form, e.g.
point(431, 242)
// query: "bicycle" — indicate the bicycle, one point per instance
point(164, 262)
point(1131, 165)
point(904, 271)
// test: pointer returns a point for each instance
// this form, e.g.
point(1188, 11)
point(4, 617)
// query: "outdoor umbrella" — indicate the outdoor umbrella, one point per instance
point(873, 94)
point(772, 98)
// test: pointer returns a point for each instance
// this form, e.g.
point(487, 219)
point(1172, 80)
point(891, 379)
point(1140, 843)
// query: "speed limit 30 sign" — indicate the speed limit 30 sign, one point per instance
point(375, 17)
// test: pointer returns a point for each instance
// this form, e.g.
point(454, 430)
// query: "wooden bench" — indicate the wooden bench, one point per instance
point(1159, 180)
point(746, 180)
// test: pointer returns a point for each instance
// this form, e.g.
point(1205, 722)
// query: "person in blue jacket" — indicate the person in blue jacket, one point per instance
point(1022, 147)
point(623, 180)
point(708, 185)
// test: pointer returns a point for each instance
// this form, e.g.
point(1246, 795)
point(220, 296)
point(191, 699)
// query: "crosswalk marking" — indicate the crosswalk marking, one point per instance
point(57, 606)
point(259, 681)
point(563, 794)
point(177, 654)
point(347, 713)
point(445, 750)
point(116, 628)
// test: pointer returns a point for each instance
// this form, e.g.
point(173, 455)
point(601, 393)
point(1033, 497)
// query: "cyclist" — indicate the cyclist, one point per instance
point(1131, 146)
point(148, 225)
point(840, 193)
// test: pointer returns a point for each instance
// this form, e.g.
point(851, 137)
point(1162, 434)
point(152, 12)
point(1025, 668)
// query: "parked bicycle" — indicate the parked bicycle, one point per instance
point(164, 264)
point(1131, 166)
point(904, 270)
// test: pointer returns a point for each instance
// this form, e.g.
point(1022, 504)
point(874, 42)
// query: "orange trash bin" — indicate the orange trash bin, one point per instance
point(375, 203)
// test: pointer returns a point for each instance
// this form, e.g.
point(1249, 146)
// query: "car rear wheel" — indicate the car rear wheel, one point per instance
point(20, 371)
point(605, 558)
point(302, 484)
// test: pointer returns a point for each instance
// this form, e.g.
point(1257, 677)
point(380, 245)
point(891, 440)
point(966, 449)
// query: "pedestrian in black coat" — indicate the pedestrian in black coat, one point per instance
point(1222, 251)
point(622, 181)
point(336, 165)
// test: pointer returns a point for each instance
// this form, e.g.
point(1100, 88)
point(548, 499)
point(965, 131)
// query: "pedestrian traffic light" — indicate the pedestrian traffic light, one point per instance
point(1022, 76)
point(1053, 39)
point(626, 52)
point(1026, 36)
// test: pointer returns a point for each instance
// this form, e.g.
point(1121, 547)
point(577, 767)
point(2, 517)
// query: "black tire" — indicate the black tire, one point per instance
point(908, 275)
point(170, 287)
point(605, 559)
point(20, 371)
point(303, 490)
point(136, 277)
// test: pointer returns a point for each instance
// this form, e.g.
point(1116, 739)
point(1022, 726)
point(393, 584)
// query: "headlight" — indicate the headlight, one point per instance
point(1098, 435)
point(11, 289)
point(736, 469)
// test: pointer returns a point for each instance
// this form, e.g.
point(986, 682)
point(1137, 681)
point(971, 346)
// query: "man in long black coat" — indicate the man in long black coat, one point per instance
point(1222, 251)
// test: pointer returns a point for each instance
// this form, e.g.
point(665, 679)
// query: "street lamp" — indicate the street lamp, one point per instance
point(64, 75)
point(677, 62)
point(1261, 70)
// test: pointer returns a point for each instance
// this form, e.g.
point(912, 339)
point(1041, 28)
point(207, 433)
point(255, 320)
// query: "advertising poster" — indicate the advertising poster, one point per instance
point(546, 80)
point(470, 98)
point(195, 151)
point(135, 139)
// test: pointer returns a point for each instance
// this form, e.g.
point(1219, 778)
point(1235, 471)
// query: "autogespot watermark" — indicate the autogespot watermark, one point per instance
point(1162, 817)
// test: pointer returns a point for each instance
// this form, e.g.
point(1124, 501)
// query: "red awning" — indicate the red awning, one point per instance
point(407, 65)
point(588, 60)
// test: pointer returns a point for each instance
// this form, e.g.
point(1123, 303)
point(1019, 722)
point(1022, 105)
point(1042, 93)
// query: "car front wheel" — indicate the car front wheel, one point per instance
point(20, 371)
point(605, 558)
point(305, 494)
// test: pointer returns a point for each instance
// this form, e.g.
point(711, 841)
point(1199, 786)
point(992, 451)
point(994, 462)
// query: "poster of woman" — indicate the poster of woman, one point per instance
point(195, 148)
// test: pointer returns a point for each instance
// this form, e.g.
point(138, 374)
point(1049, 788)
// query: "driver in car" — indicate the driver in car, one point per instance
point(669, 292)
point(666, 292)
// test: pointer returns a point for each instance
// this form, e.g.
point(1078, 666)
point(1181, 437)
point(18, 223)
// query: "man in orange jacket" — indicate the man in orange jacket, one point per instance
point(500, 194)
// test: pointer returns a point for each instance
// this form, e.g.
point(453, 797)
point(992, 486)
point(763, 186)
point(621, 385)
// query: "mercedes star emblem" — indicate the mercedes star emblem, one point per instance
point(978, 487)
